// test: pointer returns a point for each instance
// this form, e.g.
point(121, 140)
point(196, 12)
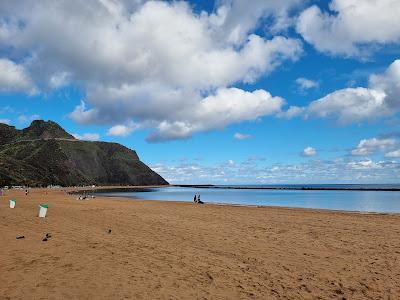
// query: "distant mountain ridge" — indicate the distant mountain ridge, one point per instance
point(37, 130)
point(45, 154)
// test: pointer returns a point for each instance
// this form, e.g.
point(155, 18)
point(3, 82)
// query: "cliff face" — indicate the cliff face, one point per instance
point(45, 154)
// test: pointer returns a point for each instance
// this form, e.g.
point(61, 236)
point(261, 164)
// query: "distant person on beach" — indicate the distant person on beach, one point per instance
point(198, 199)
point(195, 198)
point(26, 192)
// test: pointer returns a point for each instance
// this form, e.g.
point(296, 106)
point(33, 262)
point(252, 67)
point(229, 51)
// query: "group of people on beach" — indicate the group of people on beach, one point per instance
point(84, 197)
point(197, 200)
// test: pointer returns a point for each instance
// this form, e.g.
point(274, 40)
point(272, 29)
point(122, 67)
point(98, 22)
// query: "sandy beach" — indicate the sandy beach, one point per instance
point(170, 250)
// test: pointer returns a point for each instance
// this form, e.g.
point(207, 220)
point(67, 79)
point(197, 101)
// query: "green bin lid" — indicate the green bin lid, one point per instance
point(45, 205)
point(13, 200)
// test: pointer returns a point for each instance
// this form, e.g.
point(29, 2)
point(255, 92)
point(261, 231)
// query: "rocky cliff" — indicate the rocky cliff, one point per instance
point(45, 154)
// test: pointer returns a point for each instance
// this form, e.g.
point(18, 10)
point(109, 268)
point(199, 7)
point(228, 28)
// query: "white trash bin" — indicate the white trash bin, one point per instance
point(43, 210)
point(13, 202)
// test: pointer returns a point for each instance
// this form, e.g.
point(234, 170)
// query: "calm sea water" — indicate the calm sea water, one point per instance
point(365, 201)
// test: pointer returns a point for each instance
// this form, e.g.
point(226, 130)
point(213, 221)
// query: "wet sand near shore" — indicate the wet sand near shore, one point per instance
point(171, 250)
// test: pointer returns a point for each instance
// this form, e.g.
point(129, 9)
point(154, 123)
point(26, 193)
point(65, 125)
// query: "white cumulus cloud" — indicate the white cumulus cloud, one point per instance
point(14, 78)
point(381, 98)
point(226, 106)
point(350, 105)
point(309, 151)
point(371, 146)
point(306, 84)
point(241, 136)
point(28, 118)
point(238, 17)
point(394, 154)
point(151, 62)
point(352, 26)
point(87, 136)
point(364, 165)
point(5, 121)
point(122, 130)
point(291, 112)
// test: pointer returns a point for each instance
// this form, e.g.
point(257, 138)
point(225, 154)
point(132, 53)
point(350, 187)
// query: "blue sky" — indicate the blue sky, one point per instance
point(223, 91)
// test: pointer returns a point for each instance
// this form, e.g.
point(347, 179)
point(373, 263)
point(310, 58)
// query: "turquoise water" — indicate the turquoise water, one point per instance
point(349, 200)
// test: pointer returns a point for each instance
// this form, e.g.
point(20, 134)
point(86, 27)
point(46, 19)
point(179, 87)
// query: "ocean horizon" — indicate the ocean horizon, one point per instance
point(327, 186)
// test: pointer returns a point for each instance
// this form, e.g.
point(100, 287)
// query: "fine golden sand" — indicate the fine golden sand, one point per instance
point(168, 250)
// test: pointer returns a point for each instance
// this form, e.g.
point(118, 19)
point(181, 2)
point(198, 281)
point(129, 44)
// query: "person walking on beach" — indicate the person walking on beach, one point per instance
point(195, 198)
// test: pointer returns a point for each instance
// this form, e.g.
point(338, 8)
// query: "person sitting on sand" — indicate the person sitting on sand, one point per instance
point(198, 199)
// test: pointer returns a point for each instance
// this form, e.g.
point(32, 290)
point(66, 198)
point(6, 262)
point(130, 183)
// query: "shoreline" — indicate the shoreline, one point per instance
point(106, 248)
point(100, 190)
point(289, 188)
point(253, 206)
